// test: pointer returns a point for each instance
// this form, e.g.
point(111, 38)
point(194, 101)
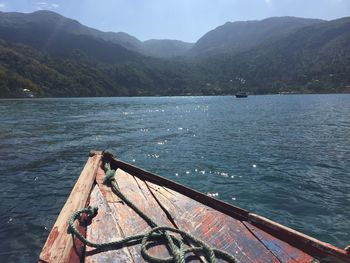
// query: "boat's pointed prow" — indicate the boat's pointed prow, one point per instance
point(149, 218)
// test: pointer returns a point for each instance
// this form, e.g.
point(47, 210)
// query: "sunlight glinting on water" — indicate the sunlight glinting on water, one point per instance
point(284, 157)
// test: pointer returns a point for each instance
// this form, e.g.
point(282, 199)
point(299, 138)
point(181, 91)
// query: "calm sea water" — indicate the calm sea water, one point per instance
point(284, 157)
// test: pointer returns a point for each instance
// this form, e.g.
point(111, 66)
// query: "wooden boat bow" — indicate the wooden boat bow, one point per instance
point(247, 236)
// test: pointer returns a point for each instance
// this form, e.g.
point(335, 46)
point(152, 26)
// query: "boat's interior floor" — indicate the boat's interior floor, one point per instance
point(115, 220)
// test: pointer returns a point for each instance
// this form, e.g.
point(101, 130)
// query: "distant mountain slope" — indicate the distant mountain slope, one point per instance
point(235, 37)
point(315, 58)
point(57, 35)
point(52, 26)
point(55, 56)
point(121, 38)
point(164, 48)
point(22, 67)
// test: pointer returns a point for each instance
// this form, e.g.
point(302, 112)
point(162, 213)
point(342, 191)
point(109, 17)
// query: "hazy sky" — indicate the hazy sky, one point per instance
point(177, 19)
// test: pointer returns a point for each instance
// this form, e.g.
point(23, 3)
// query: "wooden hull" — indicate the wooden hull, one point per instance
point(249, 237)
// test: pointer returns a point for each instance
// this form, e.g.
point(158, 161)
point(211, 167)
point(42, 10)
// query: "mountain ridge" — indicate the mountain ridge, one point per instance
point(56, 56)
point(161, 48)
point(240, 36)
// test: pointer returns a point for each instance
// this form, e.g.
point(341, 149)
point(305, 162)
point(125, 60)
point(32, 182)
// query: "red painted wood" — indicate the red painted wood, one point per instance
point(251, 238)
point(297, 239)
point(213, 227)
point(282, 250)
point(133, 189)
point(324, 251)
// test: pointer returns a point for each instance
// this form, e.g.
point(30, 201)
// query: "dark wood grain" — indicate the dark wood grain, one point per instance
point(136, 192)
point(309, 245)
point(323, 251)
point(213, 227)
point(282, 250)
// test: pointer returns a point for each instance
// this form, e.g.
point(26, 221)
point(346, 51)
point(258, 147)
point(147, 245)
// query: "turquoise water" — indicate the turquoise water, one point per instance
point(284, 157)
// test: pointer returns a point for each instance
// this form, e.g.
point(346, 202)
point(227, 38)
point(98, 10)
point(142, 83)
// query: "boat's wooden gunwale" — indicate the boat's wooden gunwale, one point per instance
point(228, 209)
point(208, 224)
point(299, 240)
point(303, 242)
point(59, 246)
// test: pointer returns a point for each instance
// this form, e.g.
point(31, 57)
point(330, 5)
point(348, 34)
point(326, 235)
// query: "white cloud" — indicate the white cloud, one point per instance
point(268, 2)
point(41, 5)
point(2, 5)
point(47, 6)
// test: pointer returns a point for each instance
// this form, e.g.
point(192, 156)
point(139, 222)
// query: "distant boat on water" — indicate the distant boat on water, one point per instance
point(241, 94)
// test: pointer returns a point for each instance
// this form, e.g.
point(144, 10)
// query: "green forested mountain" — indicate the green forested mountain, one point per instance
point(46, 30)
point(235, 37)
point(54, 34)
point(23, 67)
point(312, 59)
point(54, 56)
point(165, 48)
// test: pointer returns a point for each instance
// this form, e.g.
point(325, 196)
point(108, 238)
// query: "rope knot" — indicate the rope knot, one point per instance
point(109, 177)
point(91, 212)
point(347, 249)
point(84, 215)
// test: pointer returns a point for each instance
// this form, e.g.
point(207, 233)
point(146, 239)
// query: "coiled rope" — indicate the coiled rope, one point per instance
point(177, 247)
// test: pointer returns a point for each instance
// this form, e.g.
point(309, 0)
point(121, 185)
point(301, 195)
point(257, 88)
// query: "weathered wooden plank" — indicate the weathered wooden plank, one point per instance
point(59, 244)
point(152, 207)
point(127, 220)
point(282, 250)
point(165, 210)
point(159, 213)
point(251, 238)
point(213, 227)
point(136, 193)
point(105, 190)
point(301, 241)
point(324, 251)
point(104, 228)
